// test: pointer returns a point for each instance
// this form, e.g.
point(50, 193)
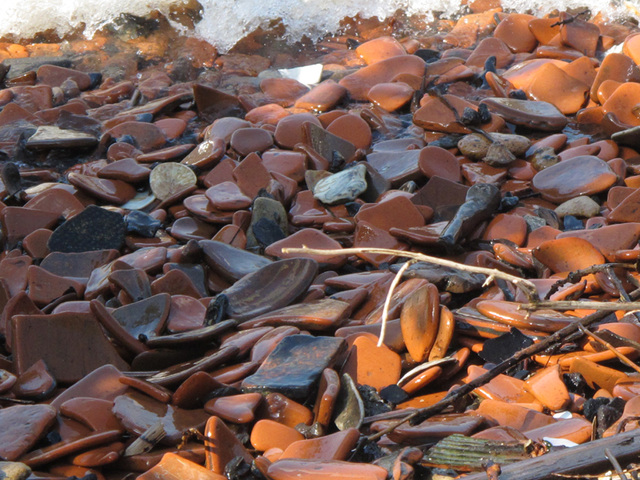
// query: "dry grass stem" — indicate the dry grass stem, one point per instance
point(387, 301)
point(623, 358)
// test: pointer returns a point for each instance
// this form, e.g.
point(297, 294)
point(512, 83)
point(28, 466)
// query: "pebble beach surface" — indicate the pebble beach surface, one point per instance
point(156, 323)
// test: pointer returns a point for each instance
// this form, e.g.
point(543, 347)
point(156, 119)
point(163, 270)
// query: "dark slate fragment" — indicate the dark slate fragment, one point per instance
point(273, 286)
point(496, 350)
point(394, 394)
point(267, 232)
point(139, 223)
point(95, 228)
point(295, 366)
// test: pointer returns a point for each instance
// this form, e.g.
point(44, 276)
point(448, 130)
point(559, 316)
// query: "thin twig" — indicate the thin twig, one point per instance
point(618, 284)
point(611, 348)
point(576, 275)
point(616, 465)
point(422, 414)
point(387, 301)
point(527, 287)
point(577, 305)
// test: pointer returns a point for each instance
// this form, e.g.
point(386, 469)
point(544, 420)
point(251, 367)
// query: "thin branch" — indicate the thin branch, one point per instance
point(577, 305)
point(611, 348)
point(527, 287)
point(616, 465)
point(387, 302)
point(576, 275)
point(422, 414)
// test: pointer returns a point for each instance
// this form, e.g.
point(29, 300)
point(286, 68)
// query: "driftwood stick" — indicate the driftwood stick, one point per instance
point(576, 275)
point(611, 348)
point(586, 457)
point(528, 288)
point(577, 305)
point(419, 415)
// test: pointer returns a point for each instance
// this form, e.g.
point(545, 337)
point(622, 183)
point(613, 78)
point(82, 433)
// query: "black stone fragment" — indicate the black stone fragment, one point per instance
point(427, 54)
point(496, 350)
point(139, 223)
point(394, 394)
point(295, 365)
point(373, 403)
point(575, 383)
point(267, 232)
point(94, 228)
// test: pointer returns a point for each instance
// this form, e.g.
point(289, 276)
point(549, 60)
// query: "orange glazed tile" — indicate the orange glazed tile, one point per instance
point(596, 375)
point(286, 411)
point(617, 67)
point(390, 96)
point(379, 49)
point(568, 254)
point(543, 31)
point(507, 226)
point(370, 365)
point(581, 69)
point(291, 469)
point(548, 388)
point(609, 239)
point(514, 31)
point(221, 446)
point(576, 430)
point(336, 446)
point(503, 387)
point(174, 467)
point(419, 321)
point(622, 101)
point(631, 48)
point(268, 434)
point(510, 415)
point(552, 84)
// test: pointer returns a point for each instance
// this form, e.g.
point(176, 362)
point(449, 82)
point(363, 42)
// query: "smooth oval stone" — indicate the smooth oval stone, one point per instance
point(419, 321)
point(227, 196)
point(193, 392)
point(138, 412)
point(173, 466)
point(273, 286)
point(247, 140)
point(582, 175)
point(113, 191)
point(235, 408)
point(170, 178)
point(344, 186)
point(582, 206)
point(127, 170)
point(95, 228)
point(291, 469)
point(231, 262)
point(568, 254)
point(508, 313)
point(21, 426)
point(532, 114)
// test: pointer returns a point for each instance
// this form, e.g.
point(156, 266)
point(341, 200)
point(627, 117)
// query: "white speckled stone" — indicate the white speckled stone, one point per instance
point(341, 187)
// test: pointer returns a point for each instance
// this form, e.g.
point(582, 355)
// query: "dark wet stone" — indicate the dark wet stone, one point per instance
point(22, 66)
point(572, 223)
point(37, 337)
point(11, 178)
point(448, 279)
point(77, 264)
point(629, 137)
point(531, 114)
point(396, 167)
point(142, 224)
point(273, 286)
point(93, 229)
point(271, 210)
point(21, 426)
point(231, 262)
point(607, 415)
point(145, 317)
point(440, 192)
point(213, 104)
point(327, 144)
point(349, 409)
point(134, 282)
point(266, 232)
point(481, 202)
point(295, 366)
point(194, 272)
point(496, 350)
point(394, 394)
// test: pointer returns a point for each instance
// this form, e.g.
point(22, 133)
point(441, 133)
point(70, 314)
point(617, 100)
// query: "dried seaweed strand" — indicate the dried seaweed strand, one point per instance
point(527, 287)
